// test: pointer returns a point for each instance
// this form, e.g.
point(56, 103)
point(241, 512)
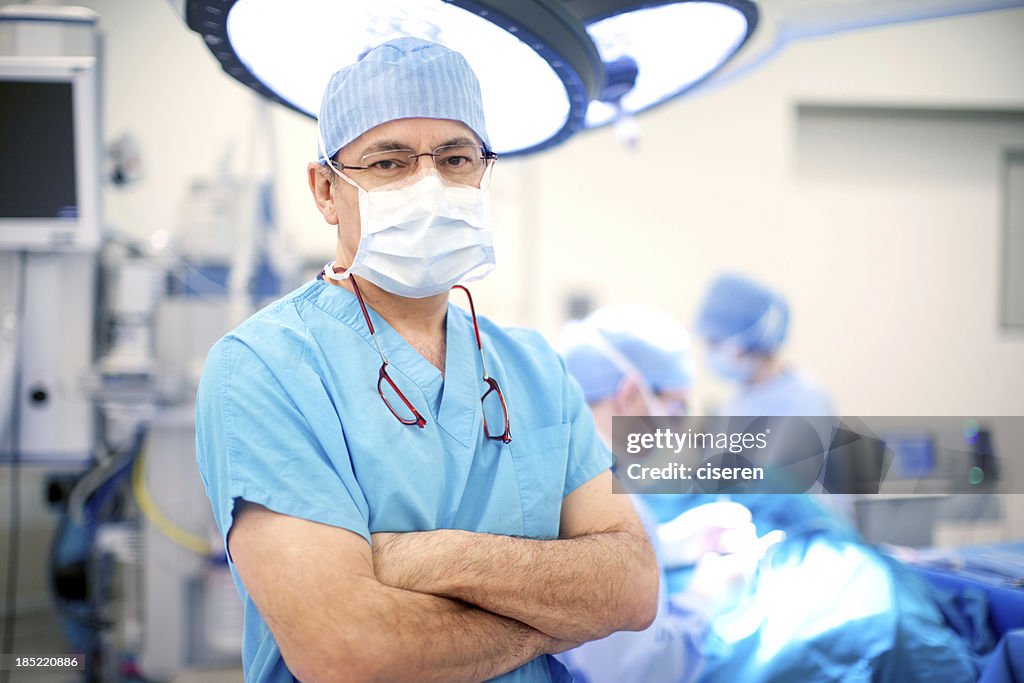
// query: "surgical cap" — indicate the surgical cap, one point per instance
point(745, 312)
point(400, 79)
point(648, 340)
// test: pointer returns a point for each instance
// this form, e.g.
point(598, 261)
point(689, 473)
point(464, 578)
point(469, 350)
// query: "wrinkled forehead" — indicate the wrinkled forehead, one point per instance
point(417, 134)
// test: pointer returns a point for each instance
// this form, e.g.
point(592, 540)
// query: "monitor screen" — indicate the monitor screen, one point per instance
point(37, 176)
point(913, 455)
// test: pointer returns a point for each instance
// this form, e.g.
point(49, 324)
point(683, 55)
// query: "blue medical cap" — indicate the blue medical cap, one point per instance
point(650, 341)
point(739, 309)
point(400, 79)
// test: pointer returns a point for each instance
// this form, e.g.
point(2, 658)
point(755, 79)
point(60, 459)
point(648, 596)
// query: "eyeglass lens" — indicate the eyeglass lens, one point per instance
point(392, 396)
point(495, 412)
point(462, 164)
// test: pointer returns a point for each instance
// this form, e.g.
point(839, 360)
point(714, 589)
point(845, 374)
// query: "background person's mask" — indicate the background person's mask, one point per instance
point(729, 363)
point(421, 238)
point(731, 358)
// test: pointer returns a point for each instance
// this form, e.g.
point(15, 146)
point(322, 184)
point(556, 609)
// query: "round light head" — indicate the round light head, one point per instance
point(675, 46)
point(536, 74)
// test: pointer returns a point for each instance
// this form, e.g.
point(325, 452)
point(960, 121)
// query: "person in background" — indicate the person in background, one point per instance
point(629, 359)
point(635, 360)
point(819, 606)
point(744, 324)
point(857, 615)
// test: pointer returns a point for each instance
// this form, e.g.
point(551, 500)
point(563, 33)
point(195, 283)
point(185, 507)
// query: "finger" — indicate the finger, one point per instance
point(738, 540)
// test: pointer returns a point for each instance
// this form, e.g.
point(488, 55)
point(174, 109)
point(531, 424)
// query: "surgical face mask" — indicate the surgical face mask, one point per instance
point(423, 236)
point(729, 363)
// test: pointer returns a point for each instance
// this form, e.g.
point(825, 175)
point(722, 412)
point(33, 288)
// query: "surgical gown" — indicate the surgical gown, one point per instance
point(668, 650)
point(823, 606)
point(288, 416)
point(788, 393)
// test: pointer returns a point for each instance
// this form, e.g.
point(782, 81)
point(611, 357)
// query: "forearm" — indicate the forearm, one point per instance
point(576, 589)
point(414, 636)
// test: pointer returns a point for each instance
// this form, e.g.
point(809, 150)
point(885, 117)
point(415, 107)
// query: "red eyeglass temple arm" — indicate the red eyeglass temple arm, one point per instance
point(359, 296)
point(420, 421)
point(472, 310)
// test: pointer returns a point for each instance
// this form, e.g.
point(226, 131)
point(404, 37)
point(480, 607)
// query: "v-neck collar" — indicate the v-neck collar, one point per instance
point(459, 411)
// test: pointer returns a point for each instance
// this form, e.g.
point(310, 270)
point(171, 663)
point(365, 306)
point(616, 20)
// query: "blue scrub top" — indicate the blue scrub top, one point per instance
point(288, 416)
point(788, 393)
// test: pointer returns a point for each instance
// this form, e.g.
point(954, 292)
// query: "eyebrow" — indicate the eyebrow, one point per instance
point(393, 145)
point(461, 140)
point(385, 146)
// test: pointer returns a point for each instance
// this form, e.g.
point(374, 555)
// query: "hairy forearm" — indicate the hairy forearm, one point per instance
point(413, 636)
point(577, 589)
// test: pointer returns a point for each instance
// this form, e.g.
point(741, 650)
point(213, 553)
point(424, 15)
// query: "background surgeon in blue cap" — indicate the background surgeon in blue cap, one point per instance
point(745, 325)
point(383, 521)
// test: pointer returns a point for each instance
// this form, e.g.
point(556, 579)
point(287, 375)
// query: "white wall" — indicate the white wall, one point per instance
point(904, 276)
point(729, 179)
point(892, 268)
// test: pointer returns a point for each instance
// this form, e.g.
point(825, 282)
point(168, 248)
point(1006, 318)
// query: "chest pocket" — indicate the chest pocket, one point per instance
point(541, 457)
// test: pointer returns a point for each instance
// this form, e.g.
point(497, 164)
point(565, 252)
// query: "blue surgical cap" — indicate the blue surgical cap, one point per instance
point(651, 342)
point(744, 312)
point(400, 79)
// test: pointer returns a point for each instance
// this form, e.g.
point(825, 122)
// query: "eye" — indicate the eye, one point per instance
point(456, 160)
point(386, 165)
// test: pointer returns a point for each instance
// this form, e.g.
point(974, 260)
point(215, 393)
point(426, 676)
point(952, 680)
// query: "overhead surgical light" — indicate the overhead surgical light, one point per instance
point(537, 67)
point(655, 51)
point(541, 63)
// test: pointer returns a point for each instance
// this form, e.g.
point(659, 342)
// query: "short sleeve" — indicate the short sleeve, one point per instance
point(267, 433)
point(588, 456)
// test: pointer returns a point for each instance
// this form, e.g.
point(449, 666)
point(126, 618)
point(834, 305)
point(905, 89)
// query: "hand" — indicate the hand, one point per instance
point(555, 646)
point(720, 580)
point(720, 527)
point(408, 559)
point(385, 566)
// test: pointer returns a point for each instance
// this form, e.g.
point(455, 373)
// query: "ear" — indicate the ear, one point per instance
point(627, 396)
point(322, 188)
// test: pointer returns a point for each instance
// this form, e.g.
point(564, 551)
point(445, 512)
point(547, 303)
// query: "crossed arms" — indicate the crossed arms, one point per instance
point(445, 605)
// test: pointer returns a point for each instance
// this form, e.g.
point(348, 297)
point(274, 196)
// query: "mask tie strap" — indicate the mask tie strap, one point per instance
point(627, 368)
point(330, 272)
point(322, 147)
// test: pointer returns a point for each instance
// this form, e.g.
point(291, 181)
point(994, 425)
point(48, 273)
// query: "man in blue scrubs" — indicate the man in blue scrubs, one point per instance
point(407, 491)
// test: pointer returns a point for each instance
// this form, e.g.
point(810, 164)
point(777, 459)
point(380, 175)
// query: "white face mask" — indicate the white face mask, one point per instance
point(422, 237)
point(729, 362)
point(731, 358)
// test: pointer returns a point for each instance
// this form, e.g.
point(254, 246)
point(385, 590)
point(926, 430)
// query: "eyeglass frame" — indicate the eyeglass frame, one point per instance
point(487, 157)
point(418, 419)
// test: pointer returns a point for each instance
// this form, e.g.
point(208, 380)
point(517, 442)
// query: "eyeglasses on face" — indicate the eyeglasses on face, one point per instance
point(459, 164)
